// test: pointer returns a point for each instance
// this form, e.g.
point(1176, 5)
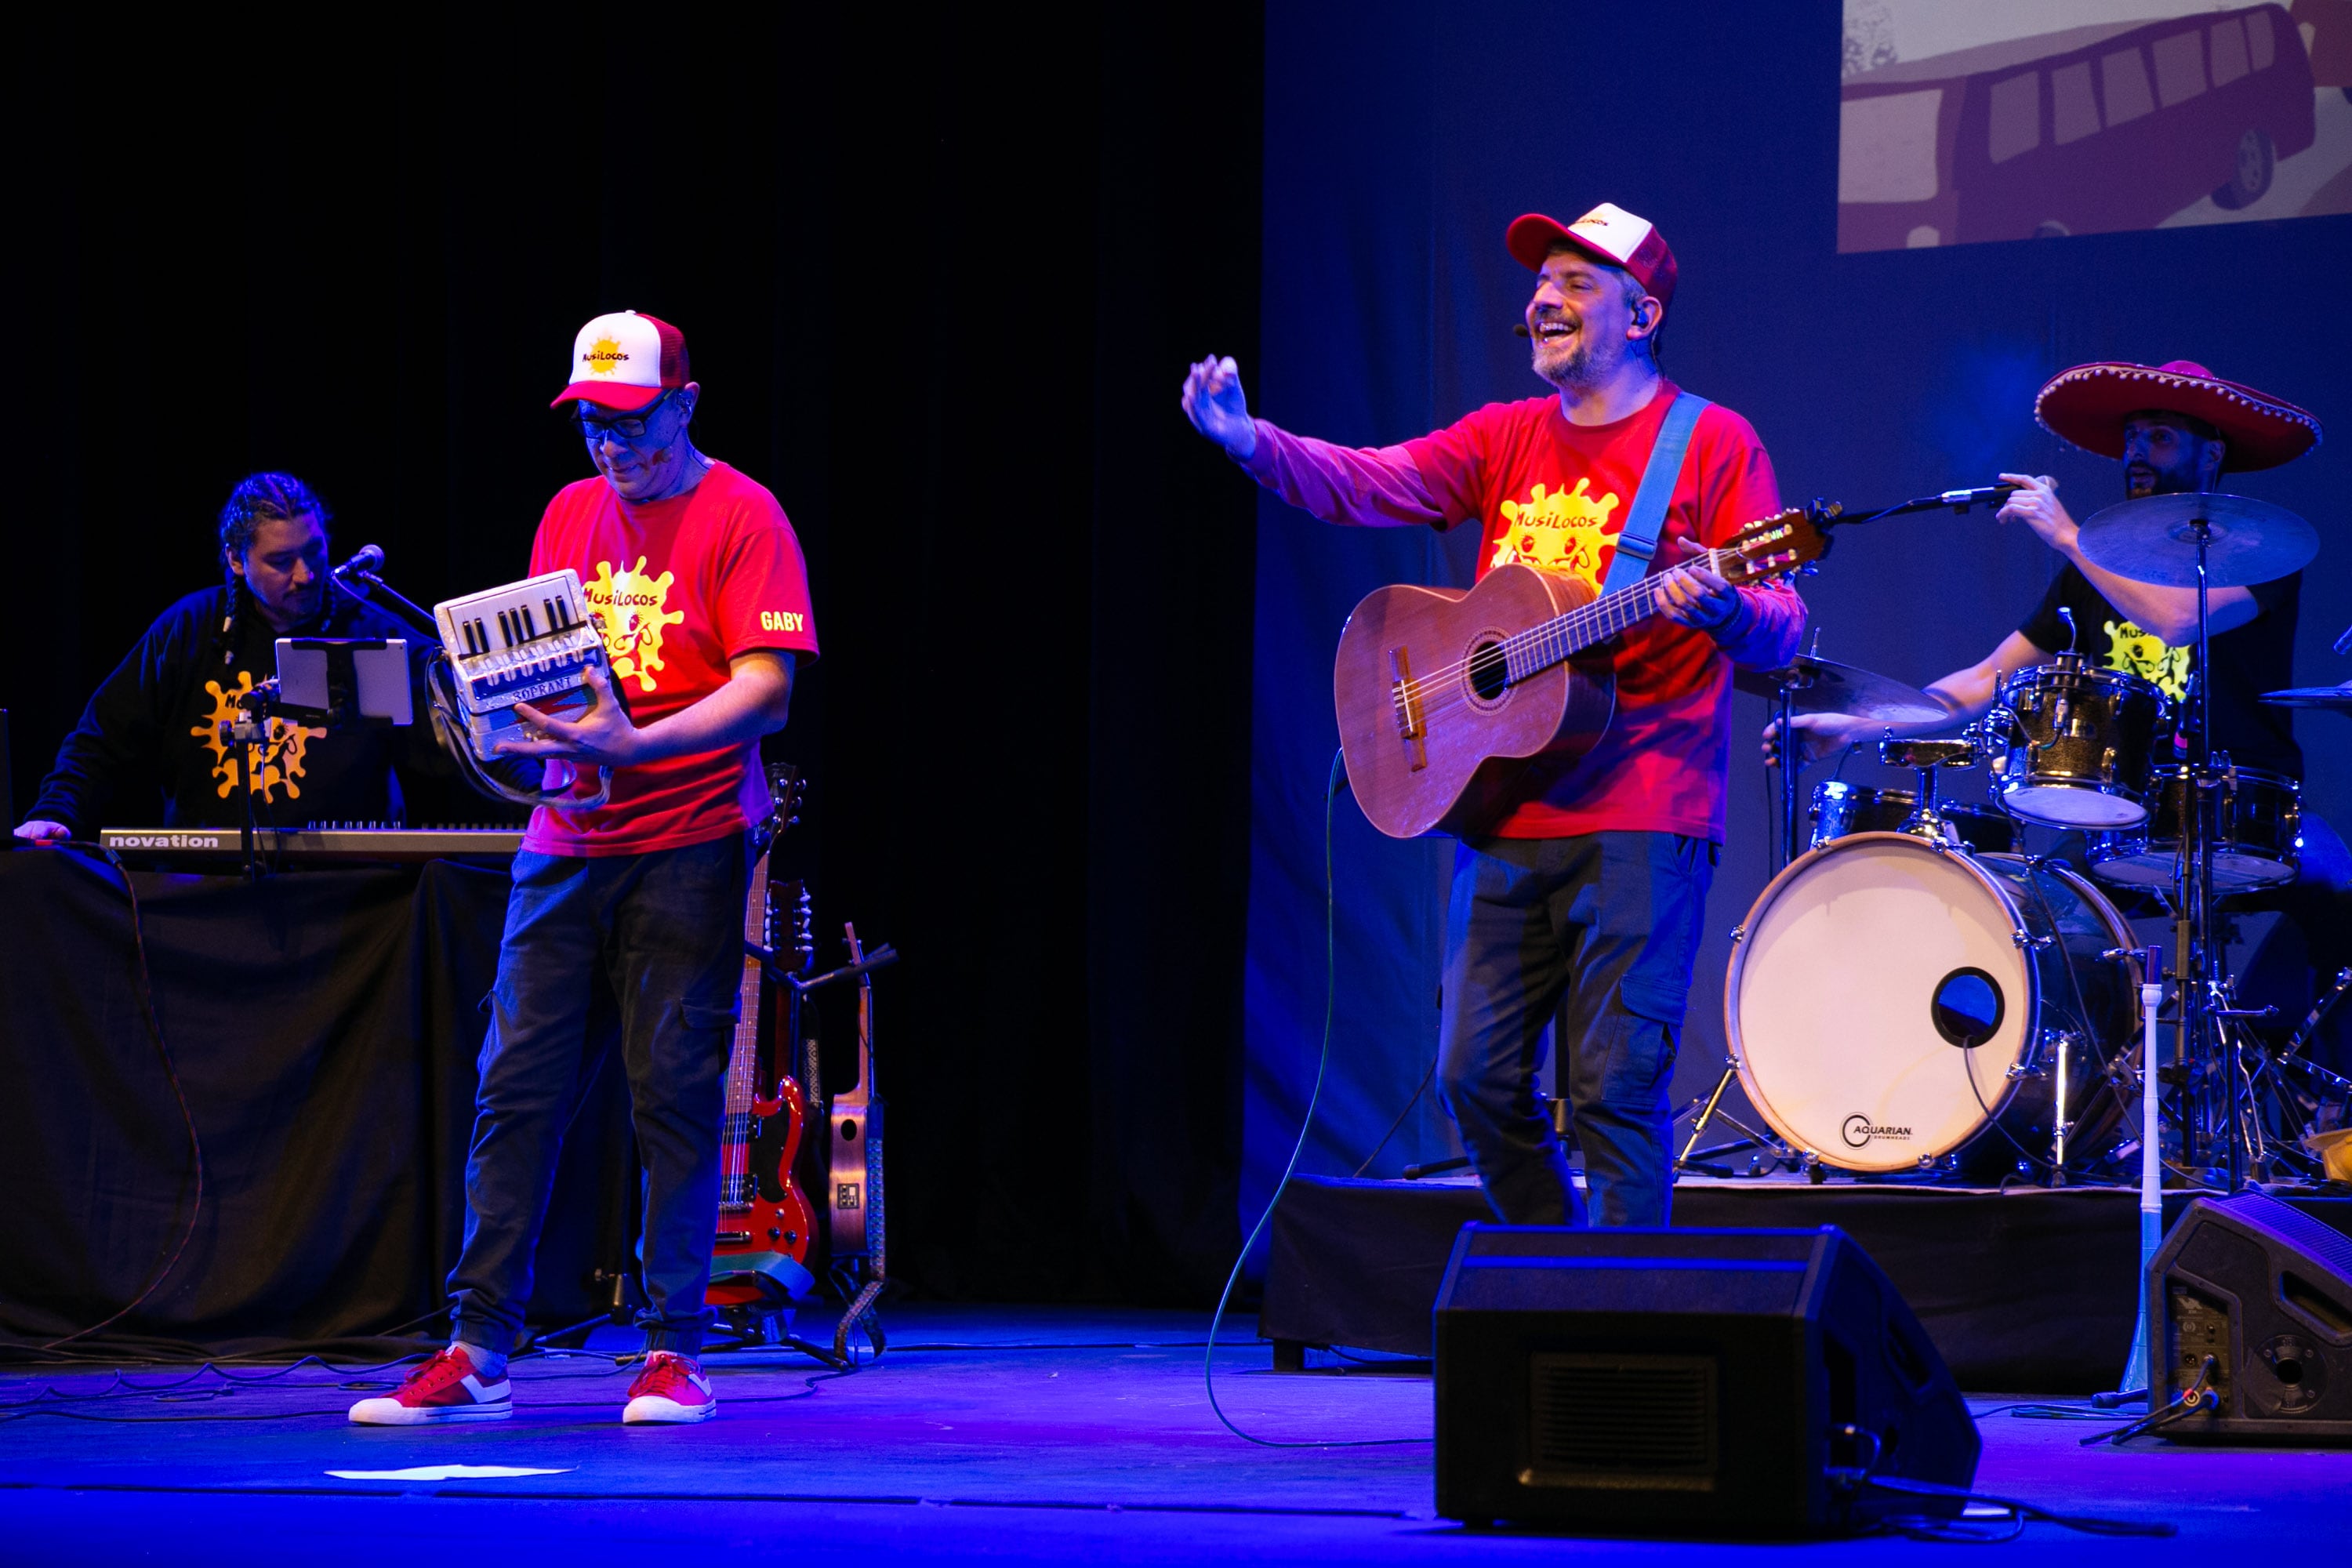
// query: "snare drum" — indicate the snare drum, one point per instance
point(1890, 1003)
point(2079, 746)
point(1841, 809)
point(2257, 834)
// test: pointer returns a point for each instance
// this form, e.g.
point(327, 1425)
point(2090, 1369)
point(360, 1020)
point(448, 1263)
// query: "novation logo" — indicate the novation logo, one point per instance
point(172, 840)
point(1860, 1130)
point(603, 356)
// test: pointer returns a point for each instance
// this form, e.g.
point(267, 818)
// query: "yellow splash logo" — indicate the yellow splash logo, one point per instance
point(1564, 532)
point(604, 356)
point(281, 755)
point(634, 607)
point(2135, 652)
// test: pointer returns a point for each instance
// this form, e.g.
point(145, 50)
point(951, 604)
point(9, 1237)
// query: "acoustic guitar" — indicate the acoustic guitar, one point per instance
point(1451, 704)
point(765, 1220)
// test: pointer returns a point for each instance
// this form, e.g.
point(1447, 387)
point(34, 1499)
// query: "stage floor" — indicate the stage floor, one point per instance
point(996, 1434)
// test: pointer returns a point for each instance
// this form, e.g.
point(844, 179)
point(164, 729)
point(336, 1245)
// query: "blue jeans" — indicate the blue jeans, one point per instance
point(1592, 937)
point(665, 931)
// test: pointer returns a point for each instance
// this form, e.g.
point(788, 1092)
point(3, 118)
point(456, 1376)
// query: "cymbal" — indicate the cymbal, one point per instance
point(1825, 686)
point(2337, 697)
point(2153, 539)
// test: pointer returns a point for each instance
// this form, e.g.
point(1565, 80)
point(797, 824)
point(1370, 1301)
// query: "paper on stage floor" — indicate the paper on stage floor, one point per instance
point(446, 1473)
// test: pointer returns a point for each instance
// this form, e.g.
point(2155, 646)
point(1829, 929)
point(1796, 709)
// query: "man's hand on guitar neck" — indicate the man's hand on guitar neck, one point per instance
point(1213, 401)
point(1695, 597)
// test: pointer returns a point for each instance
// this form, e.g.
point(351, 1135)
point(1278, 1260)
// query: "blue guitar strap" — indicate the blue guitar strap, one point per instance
point(1639, 541)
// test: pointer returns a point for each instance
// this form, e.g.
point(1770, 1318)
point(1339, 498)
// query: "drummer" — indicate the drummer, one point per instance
point(2176, 428)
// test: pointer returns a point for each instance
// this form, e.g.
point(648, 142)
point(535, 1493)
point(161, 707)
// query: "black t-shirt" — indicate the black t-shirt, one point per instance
point(2248, 660)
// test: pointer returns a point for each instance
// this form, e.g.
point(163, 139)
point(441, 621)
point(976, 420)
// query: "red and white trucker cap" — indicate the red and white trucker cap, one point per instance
point(1608, 233)
point(625, 361)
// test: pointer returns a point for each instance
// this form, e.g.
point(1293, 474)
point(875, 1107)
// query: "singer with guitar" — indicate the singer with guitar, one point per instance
point(698, 581)
point(1582, 871)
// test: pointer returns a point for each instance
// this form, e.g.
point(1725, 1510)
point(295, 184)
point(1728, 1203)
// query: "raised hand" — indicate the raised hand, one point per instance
point(1213, 401)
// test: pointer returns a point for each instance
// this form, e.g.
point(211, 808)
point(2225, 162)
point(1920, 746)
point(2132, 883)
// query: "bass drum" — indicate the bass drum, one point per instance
point(1891, 1002)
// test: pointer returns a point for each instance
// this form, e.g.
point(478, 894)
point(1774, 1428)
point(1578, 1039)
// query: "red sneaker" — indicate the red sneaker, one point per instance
point(443, 1389)
point(670, 1388)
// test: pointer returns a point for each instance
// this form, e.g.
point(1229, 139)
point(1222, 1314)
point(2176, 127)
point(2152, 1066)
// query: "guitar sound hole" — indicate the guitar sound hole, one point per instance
point(1490, 674)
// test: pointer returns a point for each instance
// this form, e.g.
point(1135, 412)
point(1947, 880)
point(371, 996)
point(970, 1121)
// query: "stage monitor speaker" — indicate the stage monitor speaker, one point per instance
point(2265, 1290)
point(1685, 1382)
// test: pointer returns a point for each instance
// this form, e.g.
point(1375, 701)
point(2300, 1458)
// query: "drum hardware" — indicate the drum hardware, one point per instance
point(1872, 967)
point(1710, 1109)
point(2205, 541)
point(2256, 832)
point(2079, 742)
point(1840, 809)
point(1811, 685)
point(2338, 698)
point(2319, 1010)
point(1924, 758)
point(2195, 539)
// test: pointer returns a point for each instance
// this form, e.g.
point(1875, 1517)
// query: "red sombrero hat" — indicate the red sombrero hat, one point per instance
point(2088, 404)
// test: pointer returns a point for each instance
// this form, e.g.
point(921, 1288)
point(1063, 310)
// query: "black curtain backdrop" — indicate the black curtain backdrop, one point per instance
point(940, 276)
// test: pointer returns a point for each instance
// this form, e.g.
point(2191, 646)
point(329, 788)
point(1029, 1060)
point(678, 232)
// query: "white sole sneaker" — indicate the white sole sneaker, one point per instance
point(392, 1413)
point(653, 1409)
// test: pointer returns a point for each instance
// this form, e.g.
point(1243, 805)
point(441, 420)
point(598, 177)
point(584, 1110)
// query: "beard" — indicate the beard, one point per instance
point(1570, 366)
point(2146, 480)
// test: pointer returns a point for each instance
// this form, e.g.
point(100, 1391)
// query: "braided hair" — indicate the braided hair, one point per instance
point(257, 499)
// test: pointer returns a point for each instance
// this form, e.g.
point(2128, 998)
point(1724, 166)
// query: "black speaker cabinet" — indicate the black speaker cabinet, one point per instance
point(1684, 1382)
point(2266, 1291)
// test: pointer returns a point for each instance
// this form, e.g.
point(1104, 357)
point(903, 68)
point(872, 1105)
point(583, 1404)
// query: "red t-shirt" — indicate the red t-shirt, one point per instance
point(1554, 496)
point(684, 585)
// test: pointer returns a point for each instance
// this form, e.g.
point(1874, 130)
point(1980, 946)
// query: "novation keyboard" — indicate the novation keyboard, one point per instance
point(318, 844)
point(531, 641)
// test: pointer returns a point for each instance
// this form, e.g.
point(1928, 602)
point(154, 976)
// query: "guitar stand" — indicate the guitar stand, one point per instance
point(860, 1310)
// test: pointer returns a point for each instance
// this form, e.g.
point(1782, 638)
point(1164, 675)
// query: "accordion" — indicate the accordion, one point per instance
point(531, 641)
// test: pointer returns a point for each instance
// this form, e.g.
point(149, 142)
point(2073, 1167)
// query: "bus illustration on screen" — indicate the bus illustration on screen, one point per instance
point(2119, 125)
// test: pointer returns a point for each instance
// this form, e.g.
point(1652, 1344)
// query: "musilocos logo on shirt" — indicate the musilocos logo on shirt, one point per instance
point(1570, 532)
point(2146, 655)
point(280, 760)
point(635, 607)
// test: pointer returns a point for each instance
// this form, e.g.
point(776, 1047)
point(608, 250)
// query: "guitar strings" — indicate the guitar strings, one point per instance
point(1584, 617)
point(1443, 689)
point(1581, 618)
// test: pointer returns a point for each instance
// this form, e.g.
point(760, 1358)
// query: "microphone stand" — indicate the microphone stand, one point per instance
point(1826, 515)
point(357, 577)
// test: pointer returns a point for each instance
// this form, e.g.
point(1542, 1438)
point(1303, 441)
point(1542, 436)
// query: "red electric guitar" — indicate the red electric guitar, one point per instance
point(1448, 701)
point(765, 1221)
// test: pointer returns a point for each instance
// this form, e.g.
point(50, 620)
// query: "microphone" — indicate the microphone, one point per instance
point(1519, 329)
point(366, 563)
point(1961, 500)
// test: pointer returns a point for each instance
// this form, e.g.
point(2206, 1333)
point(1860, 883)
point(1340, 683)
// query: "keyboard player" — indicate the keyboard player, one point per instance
point(698, 581)
point(149, 747)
